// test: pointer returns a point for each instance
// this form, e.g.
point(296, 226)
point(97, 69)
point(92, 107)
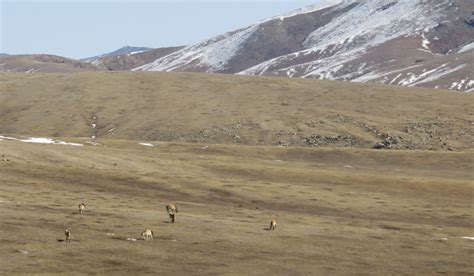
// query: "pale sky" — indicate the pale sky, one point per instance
point(84, 28)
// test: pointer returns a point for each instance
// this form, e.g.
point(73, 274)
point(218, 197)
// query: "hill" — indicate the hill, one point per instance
point(121, 51)
point(339, 210)
point(128, 61)
point(42, 64)
point(190, 107)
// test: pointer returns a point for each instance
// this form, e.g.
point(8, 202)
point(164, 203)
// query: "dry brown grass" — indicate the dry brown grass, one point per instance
point(186, 107)
point(339, 211)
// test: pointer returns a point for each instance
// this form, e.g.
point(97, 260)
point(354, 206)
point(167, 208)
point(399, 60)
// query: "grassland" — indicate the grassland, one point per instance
point(339, 211)
point(186, 107)
point(341, 206)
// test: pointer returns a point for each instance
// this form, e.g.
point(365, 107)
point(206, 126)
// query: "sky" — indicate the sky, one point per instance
point(85, 28)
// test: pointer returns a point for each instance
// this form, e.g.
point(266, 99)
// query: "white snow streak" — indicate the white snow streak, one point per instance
point(425, 42)
point(467, 47)
point(434, 74)
point(146, 144)
point(39, 140)
point(375, 75)
point(136, 52)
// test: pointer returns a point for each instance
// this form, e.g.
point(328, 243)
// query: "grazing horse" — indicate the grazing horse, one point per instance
point(67, 233)
point(147, 235)
point(172, 209)
point(82, 208)
point(273, 224)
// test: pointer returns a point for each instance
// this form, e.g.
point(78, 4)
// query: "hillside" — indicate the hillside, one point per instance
point(42, 64)
point(128, 61)
point(125, 58)
point(190, 107)
point(408, 43)
point(122, 51)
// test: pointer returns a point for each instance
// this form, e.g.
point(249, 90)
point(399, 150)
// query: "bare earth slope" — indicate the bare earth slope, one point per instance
point(190, 107)
point(132, 60)
point(339, 212)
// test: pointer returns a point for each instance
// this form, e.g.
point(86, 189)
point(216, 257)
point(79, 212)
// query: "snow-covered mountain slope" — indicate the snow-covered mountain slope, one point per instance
point(405, 42)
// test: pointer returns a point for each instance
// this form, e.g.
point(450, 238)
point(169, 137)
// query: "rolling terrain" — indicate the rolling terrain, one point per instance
point(339, 211)
point(233, 152)
point(125, 58)
point(190, 107)
point(42, 64)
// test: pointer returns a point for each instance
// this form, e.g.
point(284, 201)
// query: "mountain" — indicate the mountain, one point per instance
point(404, 42)
point(121, 51)
point(42, 64)
point(132, 60)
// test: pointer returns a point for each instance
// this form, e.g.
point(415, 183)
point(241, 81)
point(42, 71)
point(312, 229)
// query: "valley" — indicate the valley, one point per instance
point(339, 211)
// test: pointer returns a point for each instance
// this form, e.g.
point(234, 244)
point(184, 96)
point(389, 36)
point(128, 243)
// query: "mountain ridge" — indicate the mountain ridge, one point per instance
point(346, 40)
point(120, 51)
point(42, 63)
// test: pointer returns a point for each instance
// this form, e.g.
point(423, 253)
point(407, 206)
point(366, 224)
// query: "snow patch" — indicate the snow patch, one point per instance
point(466, 48)
point(406, 78)
point(97, 62)
point(468, 238)
point(40, 140)
point(470, 85)
point(136, 52)
point(146, 144)
point(425, 42)
point(435, 74)
point(375, 75)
